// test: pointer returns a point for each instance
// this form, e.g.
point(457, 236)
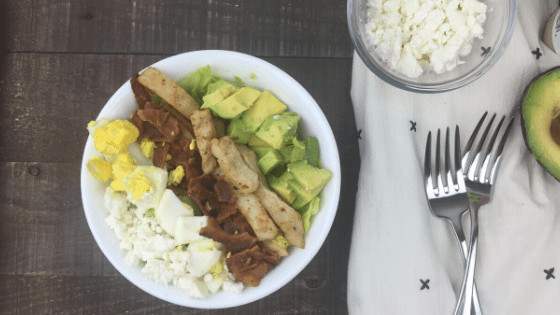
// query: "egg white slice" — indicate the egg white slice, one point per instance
point(169, 210)
point(187, 229)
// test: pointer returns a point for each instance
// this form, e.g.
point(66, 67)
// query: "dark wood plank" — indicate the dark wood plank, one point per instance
point(45, 239)
point(312, 28)
point(51, 97)
point(40, 294)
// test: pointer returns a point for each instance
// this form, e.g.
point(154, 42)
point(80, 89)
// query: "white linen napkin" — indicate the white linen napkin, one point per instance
point(403, 260)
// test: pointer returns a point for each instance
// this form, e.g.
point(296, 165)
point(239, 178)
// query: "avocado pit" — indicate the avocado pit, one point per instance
point(555, 129)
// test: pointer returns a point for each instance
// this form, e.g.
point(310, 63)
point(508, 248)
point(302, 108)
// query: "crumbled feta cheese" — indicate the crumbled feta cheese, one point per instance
point(413, 36)
point(147, 245)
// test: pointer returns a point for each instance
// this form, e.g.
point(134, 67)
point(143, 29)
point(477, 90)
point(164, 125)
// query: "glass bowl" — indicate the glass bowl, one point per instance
point(498, 28)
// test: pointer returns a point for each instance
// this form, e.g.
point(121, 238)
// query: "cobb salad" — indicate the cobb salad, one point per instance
point(209, 182)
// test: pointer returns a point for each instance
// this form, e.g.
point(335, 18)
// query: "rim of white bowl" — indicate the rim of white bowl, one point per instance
point(334, 188)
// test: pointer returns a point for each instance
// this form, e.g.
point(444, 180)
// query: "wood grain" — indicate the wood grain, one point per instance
point(43, 90)
point(44, 232)
point(41, 294)
point(311, 28)
point(60, 61)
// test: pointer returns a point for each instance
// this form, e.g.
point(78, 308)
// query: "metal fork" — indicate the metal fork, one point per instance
point(480, 169)
point(448, 198)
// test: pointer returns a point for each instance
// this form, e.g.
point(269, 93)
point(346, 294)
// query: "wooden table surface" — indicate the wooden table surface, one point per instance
point(60, 61)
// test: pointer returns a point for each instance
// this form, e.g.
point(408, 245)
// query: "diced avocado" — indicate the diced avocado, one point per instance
point(282, 188)
point(307, 212)
point(298, 153)
point(298, 203)
point(292, 153)
point(309, 176)
point(218, 95)
point(306, 193)
point(287, 152)
point(270, 178)
point(279, 129)
point(198, 82)
point(266, 105)
point(236, 131)
point(258, 142)
point(236, 103)
point(279, 170)
point(269, 161)
point(295, 152)
point(312, 151)
point(261, 151)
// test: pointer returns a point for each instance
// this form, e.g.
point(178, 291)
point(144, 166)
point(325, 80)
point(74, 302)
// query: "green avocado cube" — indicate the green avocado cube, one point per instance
point(258, 142)
point(312, 151)
point(308, 211)
point(277, 130)
point(298, 153)
point(281, 187)
point(236, 103)
point(292, 153)
point(298, 203)
point(266, 105)
point(269, 161)
point(220, 94)
point(305, 192)
point(287, 152)
point(309, 176)
point(237, 132)
point(261, 151)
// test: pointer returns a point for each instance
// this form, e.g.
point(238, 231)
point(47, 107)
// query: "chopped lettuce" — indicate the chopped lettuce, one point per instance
point(203, 82)
point(158, 100)
point(196, 84)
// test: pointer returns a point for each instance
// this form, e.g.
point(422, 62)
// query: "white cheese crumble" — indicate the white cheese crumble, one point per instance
point(155, 252)
point(414, 36)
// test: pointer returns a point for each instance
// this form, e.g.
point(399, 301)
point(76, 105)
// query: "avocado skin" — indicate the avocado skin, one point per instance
point(524, 123)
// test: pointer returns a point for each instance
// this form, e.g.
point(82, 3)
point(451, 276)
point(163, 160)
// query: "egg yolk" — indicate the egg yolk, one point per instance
point(147, 148)
point(99, 168)
point(115, 136)
point(122, 167)
point(138, 185)
point(217, 269)
point(176, 176)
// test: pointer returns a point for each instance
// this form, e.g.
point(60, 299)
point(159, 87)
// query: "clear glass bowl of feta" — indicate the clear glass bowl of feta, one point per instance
point(380, 30)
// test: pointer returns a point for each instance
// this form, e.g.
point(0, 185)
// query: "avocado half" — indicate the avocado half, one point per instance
point(540, 119)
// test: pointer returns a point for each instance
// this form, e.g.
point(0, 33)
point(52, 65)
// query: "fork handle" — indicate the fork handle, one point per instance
point(461, 239)
point(464, 305)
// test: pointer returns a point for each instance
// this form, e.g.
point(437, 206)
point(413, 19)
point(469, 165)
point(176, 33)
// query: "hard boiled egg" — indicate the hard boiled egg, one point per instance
point(204, 254)
point(188, 228)
point(145, 186)
point(169, 210)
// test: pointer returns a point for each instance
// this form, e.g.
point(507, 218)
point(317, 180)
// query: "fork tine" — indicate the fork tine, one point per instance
point(428, 162)
point(487, 157)
point(439, 181)
point(470, 143)
point(476, 164)
point(499, 152)
point(448, 179)
point(457, 171)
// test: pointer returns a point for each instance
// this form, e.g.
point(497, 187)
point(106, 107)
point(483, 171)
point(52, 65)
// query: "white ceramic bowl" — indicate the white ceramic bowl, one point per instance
point(226, 64)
